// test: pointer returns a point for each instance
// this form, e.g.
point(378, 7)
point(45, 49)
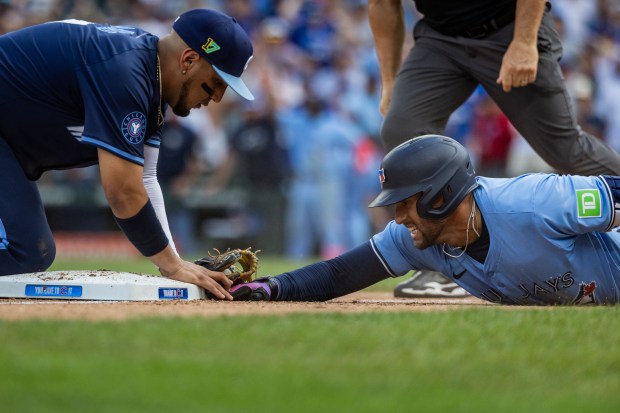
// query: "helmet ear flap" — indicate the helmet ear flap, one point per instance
point(430, 202)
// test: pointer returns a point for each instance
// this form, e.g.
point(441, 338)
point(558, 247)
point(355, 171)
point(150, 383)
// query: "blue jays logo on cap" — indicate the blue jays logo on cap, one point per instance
point(134, 127)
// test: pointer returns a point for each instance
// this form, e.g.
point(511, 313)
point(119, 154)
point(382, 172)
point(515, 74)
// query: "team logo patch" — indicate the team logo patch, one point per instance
point(134, 127)
point(381, 176)
point(210, 46)
point(588, 203)
point(586, 293)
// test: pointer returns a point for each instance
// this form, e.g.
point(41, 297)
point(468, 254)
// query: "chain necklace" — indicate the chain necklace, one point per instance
point(160, 116)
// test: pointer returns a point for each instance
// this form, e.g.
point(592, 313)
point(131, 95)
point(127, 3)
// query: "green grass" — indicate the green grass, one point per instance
point(489, 359)
point(478, 360)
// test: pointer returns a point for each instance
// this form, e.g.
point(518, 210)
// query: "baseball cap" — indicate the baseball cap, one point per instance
point(221, 41)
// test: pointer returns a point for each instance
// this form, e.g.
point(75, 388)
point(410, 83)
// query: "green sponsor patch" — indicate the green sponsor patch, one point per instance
point(588, 203)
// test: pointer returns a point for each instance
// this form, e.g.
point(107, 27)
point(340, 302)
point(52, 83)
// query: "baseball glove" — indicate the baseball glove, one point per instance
point(239, 265)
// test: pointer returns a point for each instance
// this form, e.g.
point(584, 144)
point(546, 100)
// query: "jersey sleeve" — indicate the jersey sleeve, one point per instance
point(569, 205)
point(116, 95)
point(396, 250)
point(155, 139)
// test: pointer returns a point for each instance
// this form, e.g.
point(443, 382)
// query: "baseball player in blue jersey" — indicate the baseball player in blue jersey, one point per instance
point(512, 49)
point(74, 93)
point(538, 239)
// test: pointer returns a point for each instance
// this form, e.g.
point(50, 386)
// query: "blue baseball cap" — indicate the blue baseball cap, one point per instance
point(221, 41)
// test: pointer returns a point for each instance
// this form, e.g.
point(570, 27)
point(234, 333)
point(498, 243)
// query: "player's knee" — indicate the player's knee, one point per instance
point(563, 164)
point(562, 167)
point(36, 257)
point(48, 254)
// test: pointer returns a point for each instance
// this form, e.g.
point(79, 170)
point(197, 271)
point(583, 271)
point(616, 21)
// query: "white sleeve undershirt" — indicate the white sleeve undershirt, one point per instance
point(151, 184)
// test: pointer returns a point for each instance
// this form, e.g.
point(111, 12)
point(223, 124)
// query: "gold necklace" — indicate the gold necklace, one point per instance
point(160, 116)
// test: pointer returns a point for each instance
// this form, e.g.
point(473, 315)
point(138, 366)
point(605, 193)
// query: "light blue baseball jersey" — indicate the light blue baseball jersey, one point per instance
point(551, 242)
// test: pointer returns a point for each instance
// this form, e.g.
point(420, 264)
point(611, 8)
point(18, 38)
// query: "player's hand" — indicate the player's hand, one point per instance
point(213, 281)
point(257, 290)
point(519, 66)
point(386, 97)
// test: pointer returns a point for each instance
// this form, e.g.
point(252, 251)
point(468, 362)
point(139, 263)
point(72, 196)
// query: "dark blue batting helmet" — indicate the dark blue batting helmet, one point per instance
point(432, 165)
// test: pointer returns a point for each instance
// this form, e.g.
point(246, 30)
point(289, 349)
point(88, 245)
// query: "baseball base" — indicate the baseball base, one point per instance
point(97, 285)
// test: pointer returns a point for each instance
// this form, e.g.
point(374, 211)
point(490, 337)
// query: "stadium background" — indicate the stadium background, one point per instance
point(291, 173)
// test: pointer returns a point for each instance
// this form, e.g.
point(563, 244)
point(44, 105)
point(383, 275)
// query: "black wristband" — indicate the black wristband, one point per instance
point(144, 231)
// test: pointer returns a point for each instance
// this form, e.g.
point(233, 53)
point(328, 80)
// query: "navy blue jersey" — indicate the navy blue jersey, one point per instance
point(70, 87)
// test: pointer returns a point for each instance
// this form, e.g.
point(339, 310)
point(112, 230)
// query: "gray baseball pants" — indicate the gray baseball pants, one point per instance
point(441, 72)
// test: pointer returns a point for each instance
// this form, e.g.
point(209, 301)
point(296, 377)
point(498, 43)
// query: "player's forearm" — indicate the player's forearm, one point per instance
point(350, 272)
point(387, 22)
point(528, 17)
point(124, 189)
point(153, 190)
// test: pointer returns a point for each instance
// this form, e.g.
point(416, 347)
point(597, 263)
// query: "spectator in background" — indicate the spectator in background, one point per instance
point(315, 32)
point(321, 153)
point(574, 21)
point(490, 138)
point(281, 62)
point(261, 160)
point(178, 169)
point(581, 88)
point(607, 104)
point(359, 104)
point(5, 6)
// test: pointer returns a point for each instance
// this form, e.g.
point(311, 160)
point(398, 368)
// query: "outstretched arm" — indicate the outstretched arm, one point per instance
point(124, 189)
point(322, 281)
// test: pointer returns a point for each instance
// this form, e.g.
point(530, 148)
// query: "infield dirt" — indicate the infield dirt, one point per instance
point(23, 309)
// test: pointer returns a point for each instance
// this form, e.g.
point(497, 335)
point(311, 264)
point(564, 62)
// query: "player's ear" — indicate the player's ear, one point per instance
point(188, 59)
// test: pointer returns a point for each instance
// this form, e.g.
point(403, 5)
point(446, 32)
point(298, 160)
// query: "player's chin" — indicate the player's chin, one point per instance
point(421, 243)
point(181, 110)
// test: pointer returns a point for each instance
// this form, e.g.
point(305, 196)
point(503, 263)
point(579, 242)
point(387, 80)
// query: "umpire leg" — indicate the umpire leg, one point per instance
point(429, 87)
point(542, 112)
point(26, 242)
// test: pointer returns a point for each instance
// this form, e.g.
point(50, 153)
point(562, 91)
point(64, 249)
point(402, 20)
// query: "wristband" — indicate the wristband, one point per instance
point(144, 231)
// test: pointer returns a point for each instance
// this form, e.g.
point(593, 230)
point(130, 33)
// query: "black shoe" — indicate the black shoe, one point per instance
point(429, 284)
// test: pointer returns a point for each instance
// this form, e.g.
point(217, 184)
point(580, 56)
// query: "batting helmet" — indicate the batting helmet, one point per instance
point(431, 164)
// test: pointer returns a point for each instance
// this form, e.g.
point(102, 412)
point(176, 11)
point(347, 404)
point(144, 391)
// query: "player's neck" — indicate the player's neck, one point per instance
point(464, 226)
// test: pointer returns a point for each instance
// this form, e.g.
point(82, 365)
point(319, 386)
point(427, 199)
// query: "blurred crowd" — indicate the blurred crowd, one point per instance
point(297, 166)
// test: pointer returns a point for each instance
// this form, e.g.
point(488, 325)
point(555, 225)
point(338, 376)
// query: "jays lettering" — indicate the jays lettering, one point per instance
point(552, 285)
